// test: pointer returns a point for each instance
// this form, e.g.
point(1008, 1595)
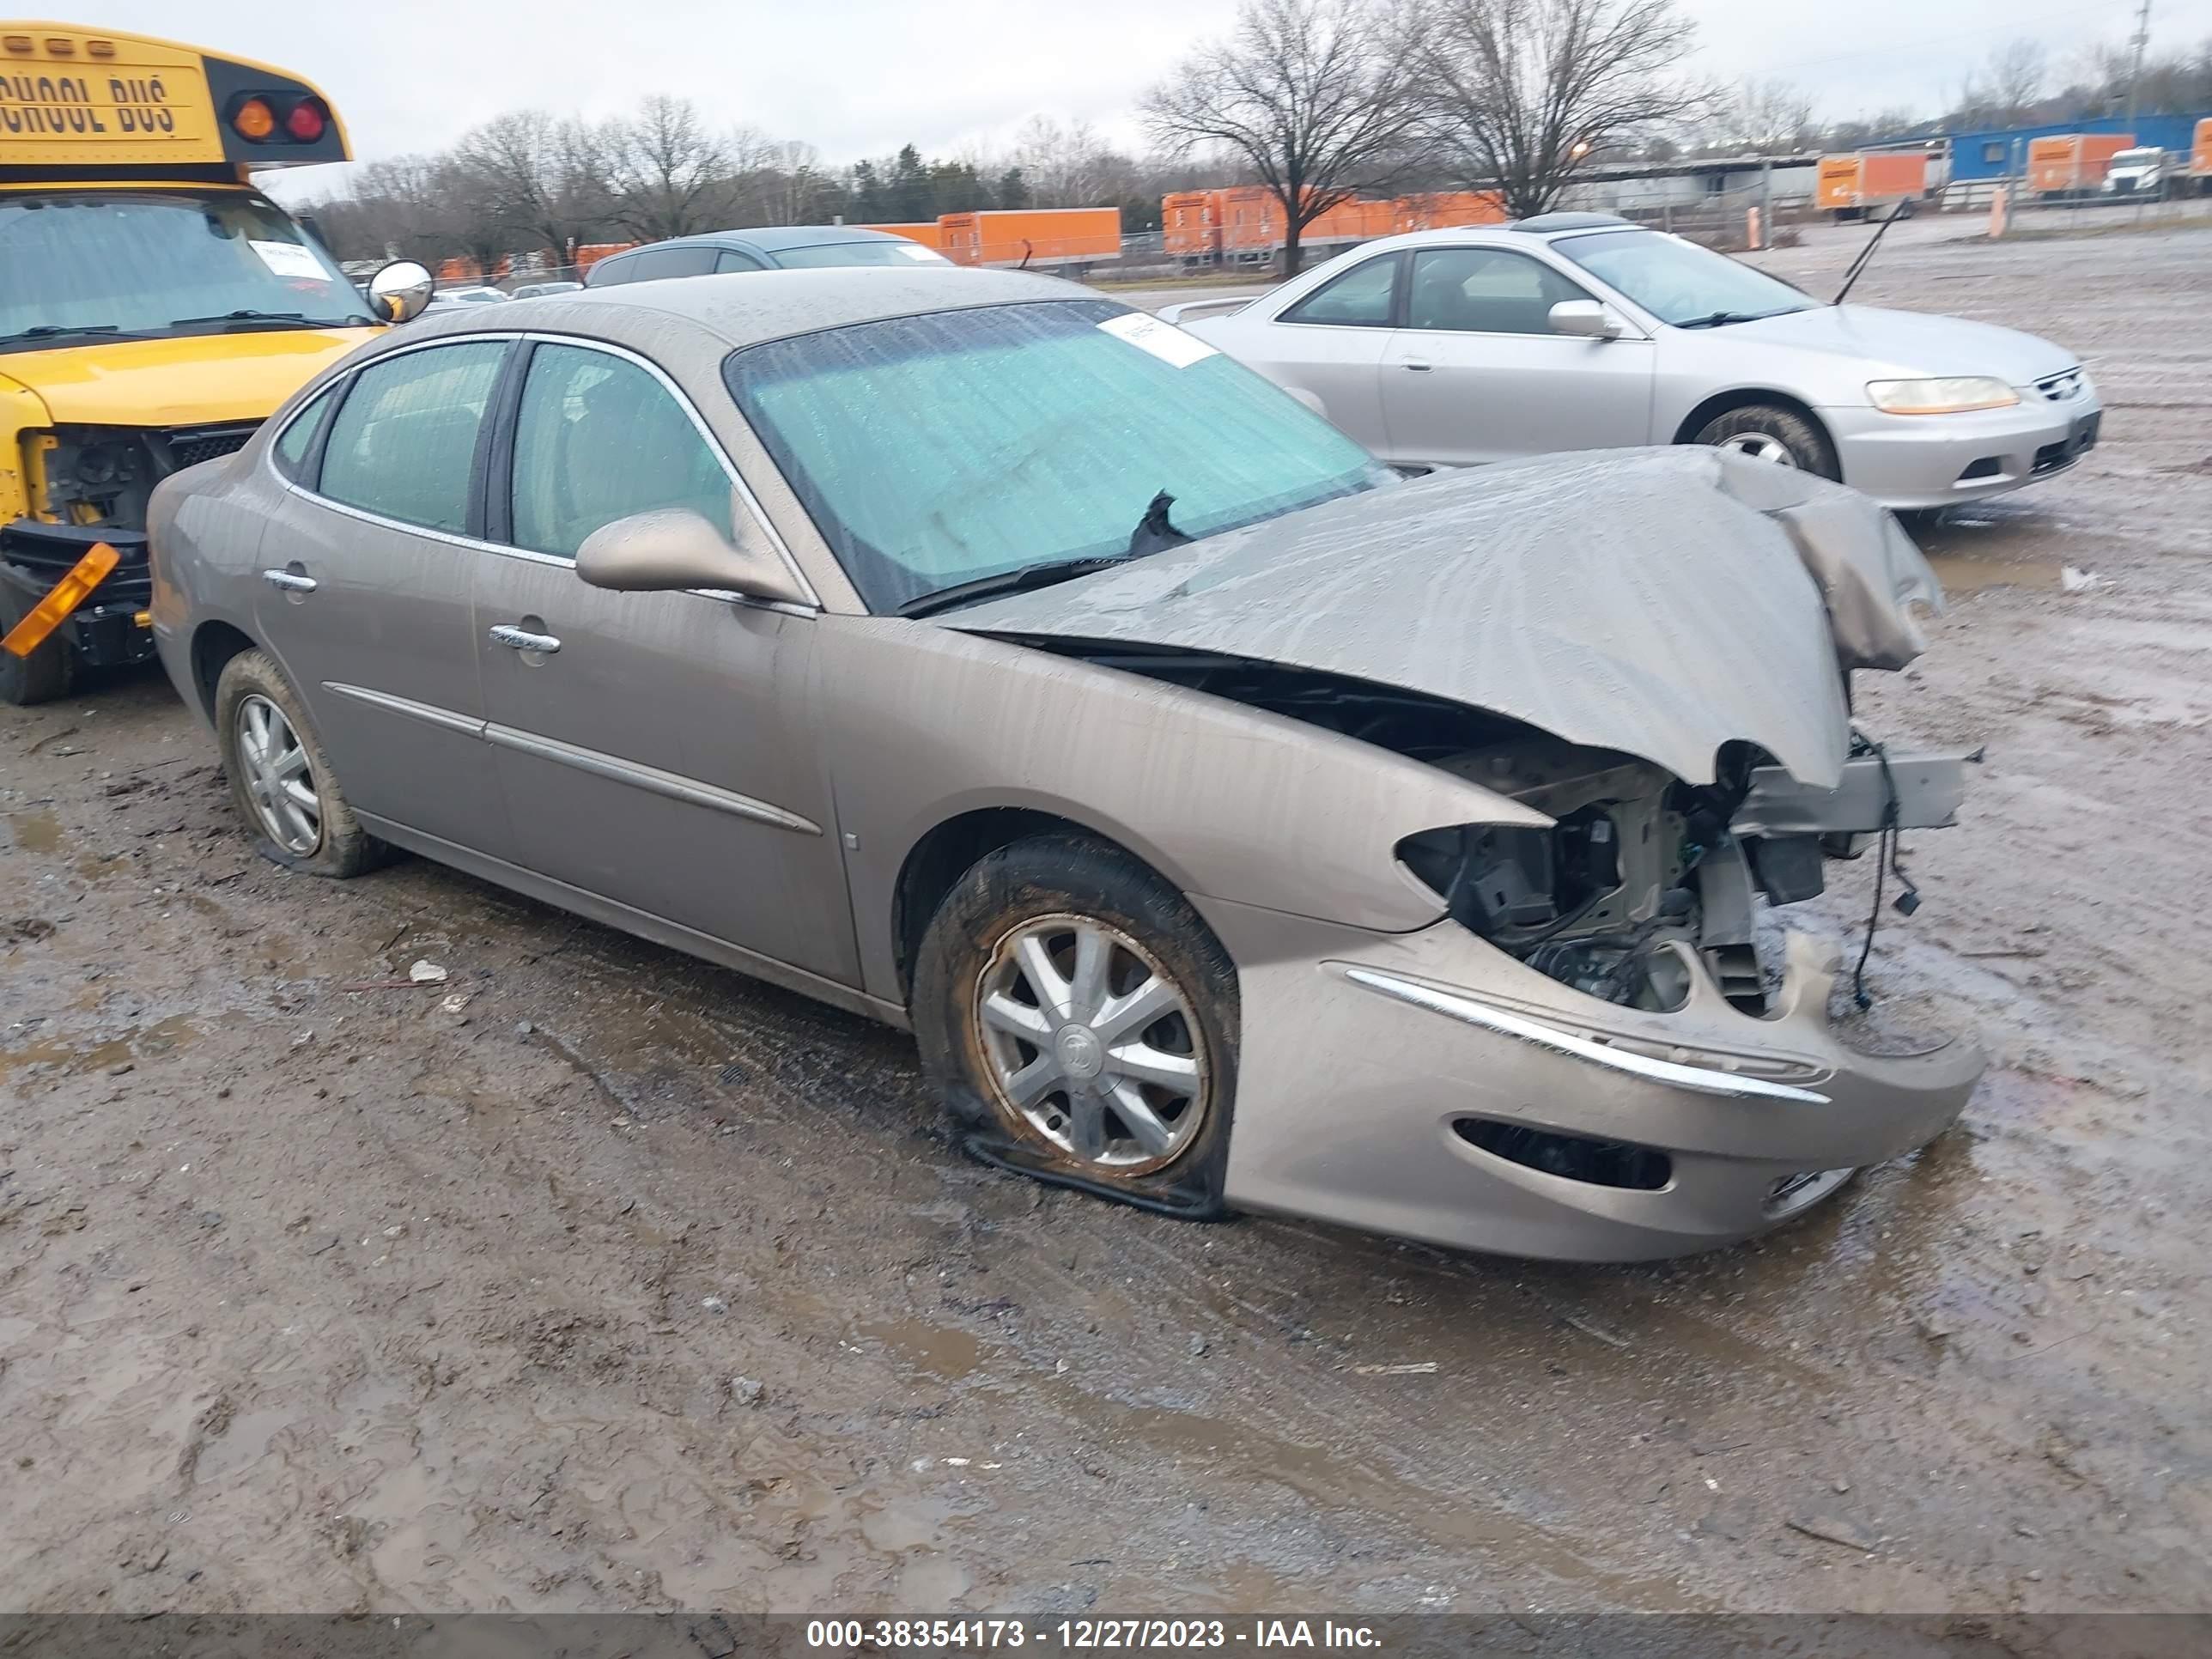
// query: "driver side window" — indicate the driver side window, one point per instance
point(597, 437)
point(1483, 290)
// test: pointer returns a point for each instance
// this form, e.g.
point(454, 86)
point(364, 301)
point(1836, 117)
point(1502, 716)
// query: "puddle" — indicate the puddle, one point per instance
point(1961, 575)
point(34, 832)
point(948, 1354)
point(155, 1041)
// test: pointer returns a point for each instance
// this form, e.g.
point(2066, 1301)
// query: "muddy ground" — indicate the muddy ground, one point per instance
point(596, 1279)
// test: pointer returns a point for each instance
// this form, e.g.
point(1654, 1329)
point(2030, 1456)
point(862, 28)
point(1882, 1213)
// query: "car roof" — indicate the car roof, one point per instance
point(769, 238)
point(744, 309)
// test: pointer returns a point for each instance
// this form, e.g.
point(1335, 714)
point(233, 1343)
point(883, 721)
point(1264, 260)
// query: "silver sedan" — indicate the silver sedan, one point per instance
point(1237, 825)
point(1579, 331)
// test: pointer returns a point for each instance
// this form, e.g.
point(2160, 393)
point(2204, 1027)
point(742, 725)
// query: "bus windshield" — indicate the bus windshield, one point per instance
point(167, 262)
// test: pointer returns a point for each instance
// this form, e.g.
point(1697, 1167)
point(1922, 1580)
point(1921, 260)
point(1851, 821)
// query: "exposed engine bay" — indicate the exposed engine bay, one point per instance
point(1637, 870)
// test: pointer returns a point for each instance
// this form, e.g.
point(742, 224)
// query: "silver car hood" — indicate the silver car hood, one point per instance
point(1910, 341)
point(1660, 602)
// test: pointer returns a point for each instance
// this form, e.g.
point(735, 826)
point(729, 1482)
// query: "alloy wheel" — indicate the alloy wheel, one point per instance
point(1090, 1042)
point(1760, 447)
point(278, 778)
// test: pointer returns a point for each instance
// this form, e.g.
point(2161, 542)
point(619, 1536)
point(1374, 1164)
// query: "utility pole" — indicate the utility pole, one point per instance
point(2135, 73)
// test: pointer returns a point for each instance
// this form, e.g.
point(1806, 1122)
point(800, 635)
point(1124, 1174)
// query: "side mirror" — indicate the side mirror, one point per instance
point(1587, 318)
point(1311, 399)
point(673, 547)
point(400, 292)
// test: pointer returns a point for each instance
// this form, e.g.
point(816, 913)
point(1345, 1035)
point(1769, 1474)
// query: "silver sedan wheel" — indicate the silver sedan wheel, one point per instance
point(1760, 447)
point(278, 780)
point(1089, 1043)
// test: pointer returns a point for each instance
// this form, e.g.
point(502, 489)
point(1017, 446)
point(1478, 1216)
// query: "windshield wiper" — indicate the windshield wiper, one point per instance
point(1012, 582)
point(1152, 534)
point(282, 318)
point(1723, 318)
point(59, 330)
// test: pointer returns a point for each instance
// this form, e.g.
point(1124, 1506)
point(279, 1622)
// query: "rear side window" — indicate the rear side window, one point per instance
point(597, 439)
point(1359, 299)
point(609, 272)
point(297, 445)
point(730, 259)
point(403, 443)
point(655, 262)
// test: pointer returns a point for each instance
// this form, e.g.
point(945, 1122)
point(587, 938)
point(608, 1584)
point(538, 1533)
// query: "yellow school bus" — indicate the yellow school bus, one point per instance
point(154, 308)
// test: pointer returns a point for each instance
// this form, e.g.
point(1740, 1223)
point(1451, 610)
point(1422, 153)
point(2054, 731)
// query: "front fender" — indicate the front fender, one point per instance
point(922, 724)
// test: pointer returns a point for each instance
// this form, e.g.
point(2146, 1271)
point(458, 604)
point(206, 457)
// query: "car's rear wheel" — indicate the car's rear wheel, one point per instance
point(1080, 1021)
point(1770, 433)
point(281, 780)
point(48, 672)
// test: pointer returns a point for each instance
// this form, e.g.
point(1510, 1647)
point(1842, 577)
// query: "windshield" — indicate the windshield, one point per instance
point(1678, 282)
point(2136, 158)
point(941, 449)
point(138, 263)
point(895, 253)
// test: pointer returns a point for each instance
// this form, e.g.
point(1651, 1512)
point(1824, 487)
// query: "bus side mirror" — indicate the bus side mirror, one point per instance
point(400, 292)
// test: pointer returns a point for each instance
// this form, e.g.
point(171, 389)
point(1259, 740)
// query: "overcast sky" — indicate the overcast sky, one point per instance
point(859, 77)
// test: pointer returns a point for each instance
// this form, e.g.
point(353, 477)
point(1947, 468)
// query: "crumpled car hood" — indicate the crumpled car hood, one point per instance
point(1660, 602)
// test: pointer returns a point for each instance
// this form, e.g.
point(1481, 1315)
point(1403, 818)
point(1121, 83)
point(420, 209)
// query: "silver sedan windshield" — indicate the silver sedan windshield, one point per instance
point(934, 450)
point(1679, 282)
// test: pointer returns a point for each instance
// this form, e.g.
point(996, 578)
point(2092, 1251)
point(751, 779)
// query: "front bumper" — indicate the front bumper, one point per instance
point(112, 628)
point(1908, 461)
point(1362, 1055)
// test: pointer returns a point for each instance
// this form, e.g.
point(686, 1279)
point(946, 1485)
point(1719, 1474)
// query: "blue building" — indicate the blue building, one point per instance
point(2003, 153)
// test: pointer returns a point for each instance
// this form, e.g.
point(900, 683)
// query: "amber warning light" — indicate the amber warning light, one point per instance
point(264, 117)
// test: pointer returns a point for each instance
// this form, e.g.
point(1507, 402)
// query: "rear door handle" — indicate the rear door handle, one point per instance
point(521, 639)
point(1415, 364)
point(291, 581)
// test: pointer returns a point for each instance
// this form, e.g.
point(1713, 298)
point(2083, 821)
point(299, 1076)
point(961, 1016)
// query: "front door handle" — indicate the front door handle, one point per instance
point(521, 639)
point(1415, 364)
point(292, 581)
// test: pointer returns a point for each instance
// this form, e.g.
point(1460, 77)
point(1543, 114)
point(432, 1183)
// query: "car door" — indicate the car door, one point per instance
point(655, 749)
point(1476, 373)
point(366, 596)
point(1330, 343)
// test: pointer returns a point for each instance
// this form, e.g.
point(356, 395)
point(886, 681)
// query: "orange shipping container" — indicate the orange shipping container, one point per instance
point(1447, 210)
point(1848, 181)
point(2073, 160)
point(1032, 236)
point(2200, 152)
point(928, 232)
point(1190, 223)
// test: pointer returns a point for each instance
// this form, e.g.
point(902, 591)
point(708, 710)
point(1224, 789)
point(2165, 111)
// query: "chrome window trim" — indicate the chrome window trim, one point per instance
point(813, 606)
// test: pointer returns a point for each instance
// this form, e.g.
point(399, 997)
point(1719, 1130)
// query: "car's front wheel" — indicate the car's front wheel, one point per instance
point(1080, 1021)
point(281, 781)
point(1768, 432)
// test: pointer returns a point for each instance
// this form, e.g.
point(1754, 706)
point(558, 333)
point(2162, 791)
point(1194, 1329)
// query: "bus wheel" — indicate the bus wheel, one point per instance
point(48, 672)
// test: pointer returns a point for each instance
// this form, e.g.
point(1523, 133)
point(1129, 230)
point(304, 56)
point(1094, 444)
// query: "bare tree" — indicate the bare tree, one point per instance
point(1313, 95)
point(1521, 93)
point(1765, 117)
point(667, 167)
point(540, 179)
point(2018, 73)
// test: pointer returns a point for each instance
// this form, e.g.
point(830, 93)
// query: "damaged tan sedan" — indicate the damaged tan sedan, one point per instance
point(1237, 826)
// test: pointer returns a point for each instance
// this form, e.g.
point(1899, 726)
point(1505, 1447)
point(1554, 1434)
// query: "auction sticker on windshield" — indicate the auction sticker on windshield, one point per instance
point(289, 259)
point(1167, 344)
